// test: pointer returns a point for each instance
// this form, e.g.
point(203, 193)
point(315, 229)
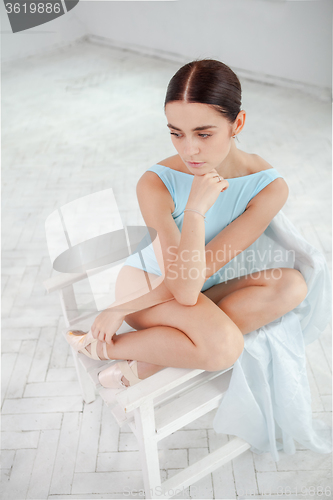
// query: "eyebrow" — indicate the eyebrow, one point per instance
point(203, 127)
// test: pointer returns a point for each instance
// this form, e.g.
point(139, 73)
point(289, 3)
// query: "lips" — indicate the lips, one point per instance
point(195, 163)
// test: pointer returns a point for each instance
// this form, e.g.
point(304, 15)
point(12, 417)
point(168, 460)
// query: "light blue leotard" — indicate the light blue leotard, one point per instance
point(229, 205)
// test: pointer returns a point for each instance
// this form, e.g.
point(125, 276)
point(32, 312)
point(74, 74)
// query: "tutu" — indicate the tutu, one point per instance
point(268, 402)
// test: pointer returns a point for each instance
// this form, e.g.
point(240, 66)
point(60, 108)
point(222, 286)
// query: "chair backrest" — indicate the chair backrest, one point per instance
point(78, 227)
point(88, 242)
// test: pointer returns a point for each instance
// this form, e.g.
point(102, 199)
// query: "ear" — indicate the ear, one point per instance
point(239, 122)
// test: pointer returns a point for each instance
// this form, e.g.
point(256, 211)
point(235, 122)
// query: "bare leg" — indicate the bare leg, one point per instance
point(251, 305)
point(250, 302)
point(199, 336)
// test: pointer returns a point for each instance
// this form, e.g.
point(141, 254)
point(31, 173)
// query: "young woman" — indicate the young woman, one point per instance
point(208, 203)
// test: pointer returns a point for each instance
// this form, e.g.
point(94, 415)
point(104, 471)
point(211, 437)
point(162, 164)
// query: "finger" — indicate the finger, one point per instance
point(95, 331)
point(214, 173)
point(101, 336)
point(217, 178)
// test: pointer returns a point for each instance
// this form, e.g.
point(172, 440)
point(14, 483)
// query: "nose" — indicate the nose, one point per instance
point(190, 147)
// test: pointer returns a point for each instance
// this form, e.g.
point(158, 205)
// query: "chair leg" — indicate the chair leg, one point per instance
point(86, 384)
point(145, 433)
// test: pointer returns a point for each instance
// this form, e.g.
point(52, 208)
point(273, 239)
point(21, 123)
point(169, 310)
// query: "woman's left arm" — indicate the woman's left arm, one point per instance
point(247, 228)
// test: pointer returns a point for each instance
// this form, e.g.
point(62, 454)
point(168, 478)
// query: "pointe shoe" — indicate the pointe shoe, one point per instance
point(111, 376)
point(80, 340)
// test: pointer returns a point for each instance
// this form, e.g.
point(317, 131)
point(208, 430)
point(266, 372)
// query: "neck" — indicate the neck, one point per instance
point(232, 164)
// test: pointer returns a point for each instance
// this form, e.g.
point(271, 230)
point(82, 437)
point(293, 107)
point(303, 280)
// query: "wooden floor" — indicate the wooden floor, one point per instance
point(77, 121)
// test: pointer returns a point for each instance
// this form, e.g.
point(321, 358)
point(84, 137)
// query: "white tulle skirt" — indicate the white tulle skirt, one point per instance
point(268, 402)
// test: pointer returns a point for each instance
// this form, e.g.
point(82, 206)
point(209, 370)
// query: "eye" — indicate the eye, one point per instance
point(204, 136)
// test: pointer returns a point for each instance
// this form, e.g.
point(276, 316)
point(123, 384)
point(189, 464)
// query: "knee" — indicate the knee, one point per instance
point(294, 286)
point(225, 353)
point(301, 286)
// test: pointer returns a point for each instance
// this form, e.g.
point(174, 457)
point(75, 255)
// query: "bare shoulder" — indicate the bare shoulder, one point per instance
point(275, 193)
point(167, 161)
point(152, 179)
point(258, 164)
point(151, 186)
point(151, 189)
point(174, 162)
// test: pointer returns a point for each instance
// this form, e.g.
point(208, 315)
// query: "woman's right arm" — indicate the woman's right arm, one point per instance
point(180, 255)
point(156, 206)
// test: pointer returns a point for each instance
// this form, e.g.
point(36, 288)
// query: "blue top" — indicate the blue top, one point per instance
point(229, 205)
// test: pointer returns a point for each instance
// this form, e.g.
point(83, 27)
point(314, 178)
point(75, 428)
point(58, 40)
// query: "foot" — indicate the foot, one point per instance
point(112, 375)
point(118, 375)
point(85, 343)
point(99, 350)
point(144, 370)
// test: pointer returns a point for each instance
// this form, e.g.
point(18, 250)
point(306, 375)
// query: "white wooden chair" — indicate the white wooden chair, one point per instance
point(158, 405)
point(154, 408)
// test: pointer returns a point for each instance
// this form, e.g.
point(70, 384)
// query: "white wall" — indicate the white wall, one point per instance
point(266, 39)
point(284, 39)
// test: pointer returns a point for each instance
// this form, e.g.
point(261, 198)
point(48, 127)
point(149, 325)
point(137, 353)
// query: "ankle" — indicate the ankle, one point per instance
point(145, 370)
point(100, 350)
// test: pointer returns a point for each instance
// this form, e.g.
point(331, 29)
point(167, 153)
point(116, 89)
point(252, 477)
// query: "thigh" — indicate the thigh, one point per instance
point(131, 279)
point(276, 277)
point(201, 322)
point(204, 319)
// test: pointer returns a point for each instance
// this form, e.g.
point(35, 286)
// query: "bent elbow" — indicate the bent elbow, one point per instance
point(181, 294)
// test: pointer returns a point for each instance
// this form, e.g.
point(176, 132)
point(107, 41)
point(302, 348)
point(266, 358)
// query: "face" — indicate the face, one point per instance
point(200, 134)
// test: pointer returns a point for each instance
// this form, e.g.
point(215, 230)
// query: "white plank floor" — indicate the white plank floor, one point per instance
point(76, 121)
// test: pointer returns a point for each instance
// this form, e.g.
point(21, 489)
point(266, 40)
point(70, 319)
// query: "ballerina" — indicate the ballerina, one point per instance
point(208, 203)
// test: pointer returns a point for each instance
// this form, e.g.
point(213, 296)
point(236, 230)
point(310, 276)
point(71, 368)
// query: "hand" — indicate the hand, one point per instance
point(106, 324)
point(205, 190)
